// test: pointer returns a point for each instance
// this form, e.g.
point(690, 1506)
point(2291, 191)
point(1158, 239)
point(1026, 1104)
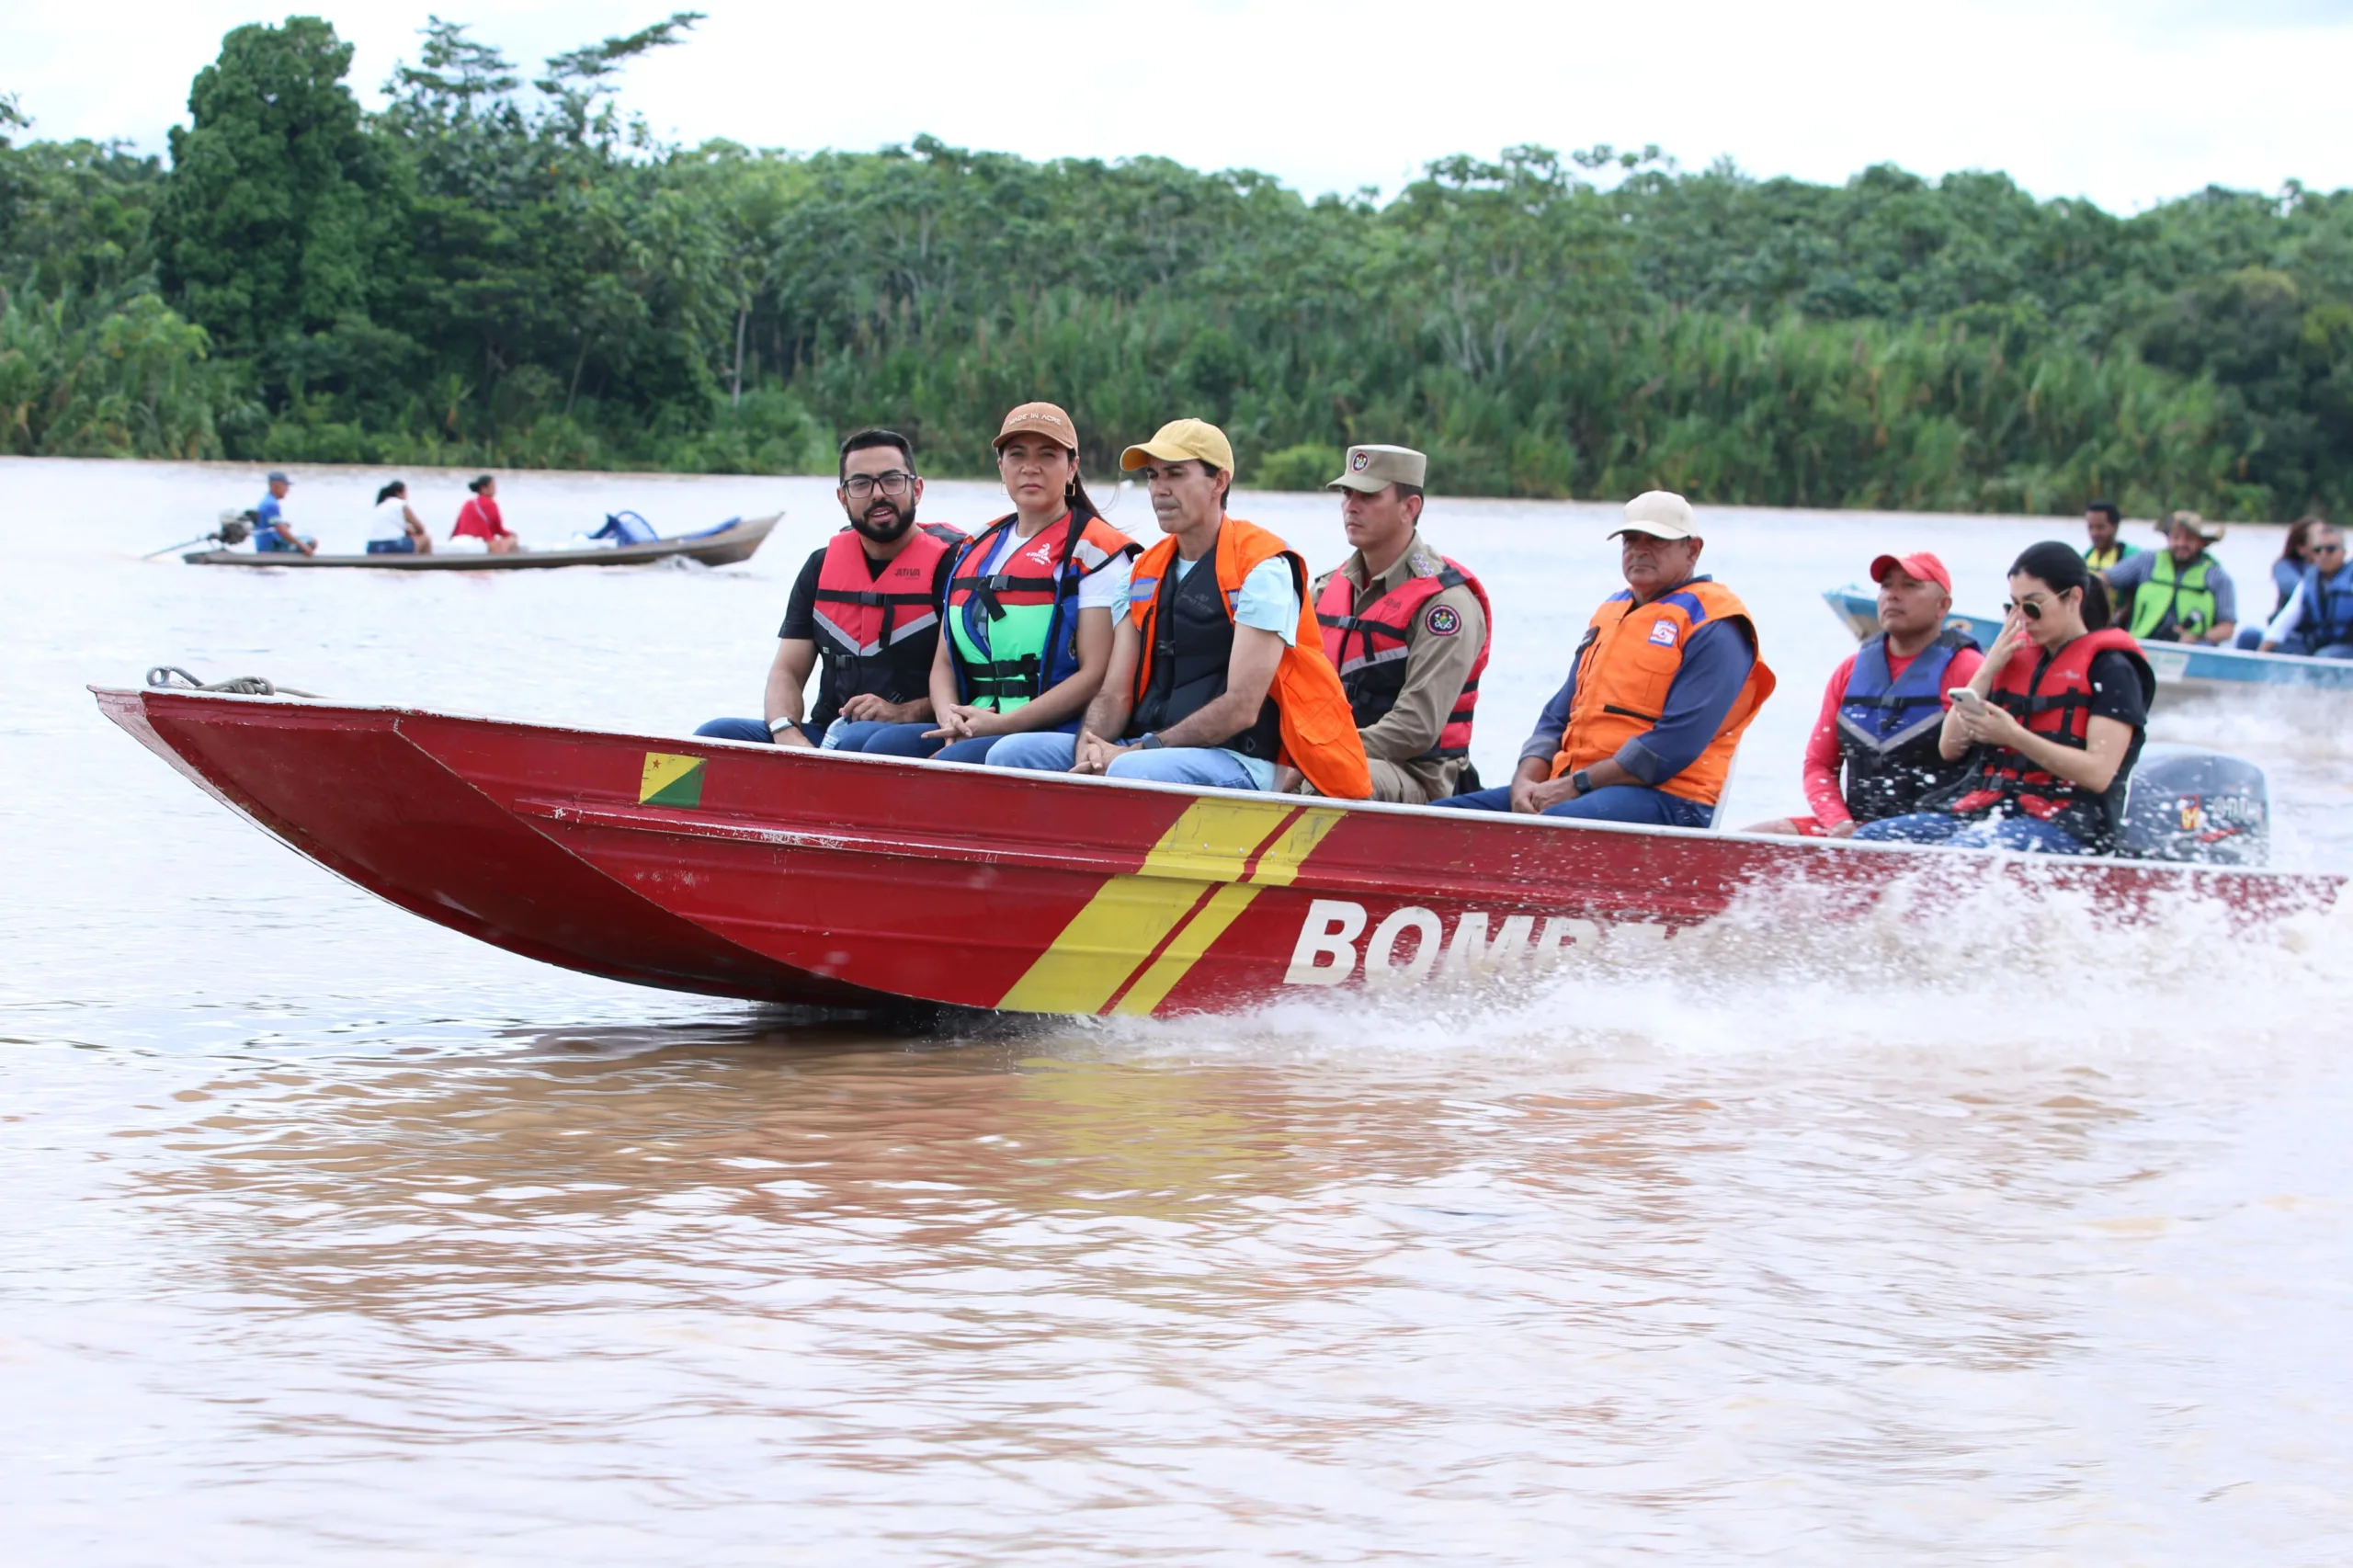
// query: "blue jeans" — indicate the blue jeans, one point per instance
point(1612, 802)
point(750, 729)
point(1209, 767)
point(876, 738)
point(2030, 835)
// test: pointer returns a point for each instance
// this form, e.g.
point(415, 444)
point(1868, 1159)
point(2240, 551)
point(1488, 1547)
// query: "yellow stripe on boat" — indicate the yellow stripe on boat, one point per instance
point(1132, 915)
point(670, 781)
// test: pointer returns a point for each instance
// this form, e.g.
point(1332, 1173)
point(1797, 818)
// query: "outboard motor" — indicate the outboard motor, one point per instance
point(2188, 804)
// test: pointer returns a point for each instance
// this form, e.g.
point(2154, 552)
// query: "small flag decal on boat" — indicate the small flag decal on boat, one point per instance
point(670, 781)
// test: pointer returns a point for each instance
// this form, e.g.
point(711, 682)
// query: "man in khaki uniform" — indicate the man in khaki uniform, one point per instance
point(1407, 630)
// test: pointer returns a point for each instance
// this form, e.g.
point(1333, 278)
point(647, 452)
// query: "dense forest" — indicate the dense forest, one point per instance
point(510, 271)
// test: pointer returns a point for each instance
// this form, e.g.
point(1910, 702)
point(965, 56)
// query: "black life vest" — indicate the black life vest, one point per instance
point(1888, 728)
point(877, 630)
point(1192, 633)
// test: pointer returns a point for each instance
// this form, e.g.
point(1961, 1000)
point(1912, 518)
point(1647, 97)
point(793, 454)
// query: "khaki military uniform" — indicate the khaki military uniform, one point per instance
point(1437, 666)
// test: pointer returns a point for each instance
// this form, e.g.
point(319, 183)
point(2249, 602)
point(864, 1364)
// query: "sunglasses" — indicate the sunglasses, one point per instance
point(2030, 608)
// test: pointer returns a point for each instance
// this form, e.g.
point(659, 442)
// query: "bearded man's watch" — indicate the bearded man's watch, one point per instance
point(777, 726)
point(1582, 782)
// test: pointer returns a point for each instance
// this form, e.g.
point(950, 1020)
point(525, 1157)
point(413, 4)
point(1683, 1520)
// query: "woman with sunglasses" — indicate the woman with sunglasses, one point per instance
point(2050, 725)
point(1030, 603)
point(2317, 620)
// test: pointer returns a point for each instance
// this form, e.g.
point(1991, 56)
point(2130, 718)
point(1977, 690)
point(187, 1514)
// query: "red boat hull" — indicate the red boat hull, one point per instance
point(789, 875)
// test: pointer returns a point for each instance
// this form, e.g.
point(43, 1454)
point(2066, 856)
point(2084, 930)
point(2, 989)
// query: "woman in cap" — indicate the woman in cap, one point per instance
point(479, 519)
point(1032, 599)
point(2050, 725)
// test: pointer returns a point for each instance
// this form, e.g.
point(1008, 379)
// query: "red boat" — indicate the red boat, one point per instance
point(797, 875)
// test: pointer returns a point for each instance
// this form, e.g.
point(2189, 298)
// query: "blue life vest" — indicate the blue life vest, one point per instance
point(2285, 575)
point(2328, 607)
point(1888, 728)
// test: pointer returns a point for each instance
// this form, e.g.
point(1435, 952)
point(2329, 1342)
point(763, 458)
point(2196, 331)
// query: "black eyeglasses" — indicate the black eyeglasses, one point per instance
point(2328, 550)
point(898, 481)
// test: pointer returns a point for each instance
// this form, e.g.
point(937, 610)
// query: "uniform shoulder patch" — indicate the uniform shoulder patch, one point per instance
point(1443, 621)
point(1663, 634)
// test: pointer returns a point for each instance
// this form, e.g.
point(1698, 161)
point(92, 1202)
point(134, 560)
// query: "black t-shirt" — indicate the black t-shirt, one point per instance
point(887, 679)
point(2116, 694)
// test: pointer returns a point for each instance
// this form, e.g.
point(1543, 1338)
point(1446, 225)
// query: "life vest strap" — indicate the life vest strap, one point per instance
point(870, 599)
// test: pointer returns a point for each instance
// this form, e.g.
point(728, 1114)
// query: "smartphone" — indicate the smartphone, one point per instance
point(1967, 698)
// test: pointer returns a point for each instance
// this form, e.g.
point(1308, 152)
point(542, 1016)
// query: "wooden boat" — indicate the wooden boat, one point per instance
point(797, 875)
point(2176, 664)
point(720, 547)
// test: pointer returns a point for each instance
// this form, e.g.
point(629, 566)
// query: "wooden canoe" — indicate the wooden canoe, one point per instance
point(722, 548)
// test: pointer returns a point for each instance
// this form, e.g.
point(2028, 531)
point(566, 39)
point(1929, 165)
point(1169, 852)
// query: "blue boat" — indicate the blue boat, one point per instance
point(2182, 665)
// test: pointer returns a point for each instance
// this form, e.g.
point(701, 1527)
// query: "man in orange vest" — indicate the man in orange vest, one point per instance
point(1664, 683)
point(1218, 676)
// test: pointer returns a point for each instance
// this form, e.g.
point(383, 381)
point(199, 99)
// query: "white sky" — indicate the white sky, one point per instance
point(2128, 103)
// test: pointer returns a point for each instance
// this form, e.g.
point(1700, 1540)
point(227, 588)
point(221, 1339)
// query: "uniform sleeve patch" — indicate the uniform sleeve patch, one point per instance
point(1443, 621)
point(1663, 634)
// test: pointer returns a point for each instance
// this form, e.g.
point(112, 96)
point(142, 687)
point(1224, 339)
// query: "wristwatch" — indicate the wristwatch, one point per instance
point(1582, 782)
point(1149, 741)
point(777, 726)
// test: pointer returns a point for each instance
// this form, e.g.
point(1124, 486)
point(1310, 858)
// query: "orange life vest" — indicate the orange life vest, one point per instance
point(1370, 647)
point(2058, 707)
point(1317, 730)
point(1629, 657)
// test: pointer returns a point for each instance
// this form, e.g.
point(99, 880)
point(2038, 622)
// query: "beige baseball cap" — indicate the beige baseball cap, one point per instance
point(1179, 439)
point(1039, 420)
point(1375, 469)
point(1662, 514)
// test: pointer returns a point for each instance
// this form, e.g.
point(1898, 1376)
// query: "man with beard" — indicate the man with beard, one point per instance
point(868, 604)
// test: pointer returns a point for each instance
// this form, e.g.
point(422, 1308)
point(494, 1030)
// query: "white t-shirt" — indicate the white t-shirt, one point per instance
point(388, 523)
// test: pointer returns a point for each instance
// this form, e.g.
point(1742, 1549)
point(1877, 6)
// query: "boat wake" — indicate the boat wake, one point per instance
point(1958, 961)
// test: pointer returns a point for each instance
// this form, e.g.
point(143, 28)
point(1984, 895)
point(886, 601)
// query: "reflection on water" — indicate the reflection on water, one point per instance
point(1975, 1228)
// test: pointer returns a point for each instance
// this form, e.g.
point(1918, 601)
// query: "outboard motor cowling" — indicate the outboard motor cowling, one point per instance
point(2184, 803)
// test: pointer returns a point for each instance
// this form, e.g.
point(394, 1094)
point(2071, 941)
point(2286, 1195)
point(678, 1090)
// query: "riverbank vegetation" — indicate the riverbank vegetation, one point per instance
point(507, 272)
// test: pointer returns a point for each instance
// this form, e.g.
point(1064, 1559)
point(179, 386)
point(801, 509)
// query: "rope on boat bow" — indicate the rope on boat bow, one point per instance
point(170, 678)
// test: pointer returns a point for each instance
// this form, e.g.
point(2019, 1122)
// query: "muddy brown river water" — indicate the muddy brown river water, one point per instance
point(1970, 1236)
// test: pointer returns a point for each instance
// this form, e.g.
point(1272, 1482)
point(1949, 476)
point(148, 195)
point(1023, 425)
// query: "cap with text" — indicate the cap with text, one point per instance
point(1178, 440)
point(1661, 514)
point(1045, 419)
point(1373, 468)
point(1920, 566)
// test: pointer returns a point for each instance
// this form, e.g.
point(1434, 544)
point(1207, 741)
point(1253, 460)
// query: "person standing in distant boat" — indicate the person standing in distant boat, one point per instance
point(397, 529)
point(1664, 683)
point(1406, 628)
point(272, 532)
point(2179, 593)
point(2317, 620)
point(2286, 575)
point(479, 519)
point(2101, 520)
point(1873, 753)
point(866, 604)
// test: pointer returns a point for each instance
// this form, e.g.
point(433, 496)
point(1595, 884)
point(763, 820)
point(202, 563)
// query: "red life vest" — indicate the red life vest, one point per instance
point(871, 624)
point(1370, 647)
point(2057, 706)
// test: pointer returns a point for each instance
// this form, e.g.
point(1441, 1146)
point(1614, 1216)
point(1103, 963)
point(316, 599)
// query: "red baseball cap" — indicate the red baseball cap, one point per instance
point(1920, 565)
